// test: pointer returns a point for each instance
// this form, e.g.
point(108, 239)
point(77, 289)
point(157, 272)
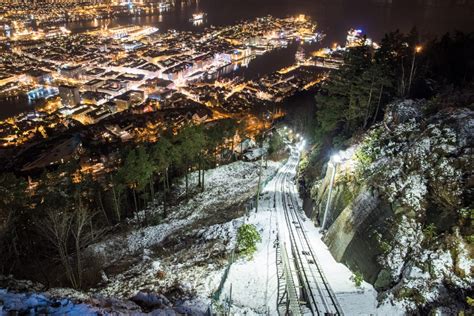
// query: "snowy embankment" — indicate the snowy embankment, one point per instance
point(253, 283)
point(188, 250)
point(183, 257)
point(225, 186)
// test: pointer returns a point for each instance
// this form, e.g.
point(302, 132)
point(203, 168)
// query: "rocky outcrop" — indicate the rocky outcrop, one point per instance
point(143, 303)
point(349, 221)
point(401, 206)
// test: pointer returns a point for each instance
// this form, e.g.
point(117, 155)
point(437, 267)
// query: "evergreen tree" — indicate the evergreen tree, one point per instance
point(190, 143)
point(163, 156)
point(136, 172)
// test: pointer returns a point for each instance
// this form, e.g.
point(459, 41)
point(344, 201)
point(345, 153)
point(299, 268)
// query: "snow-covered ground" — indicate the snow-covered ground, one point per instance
point(196, 234)
point(252, 284)
point(225, 186)
point(186, 252)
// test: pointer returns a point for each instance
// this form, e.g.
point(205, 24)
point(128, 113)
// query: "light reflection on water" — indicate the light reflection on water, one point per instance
point(335, 17)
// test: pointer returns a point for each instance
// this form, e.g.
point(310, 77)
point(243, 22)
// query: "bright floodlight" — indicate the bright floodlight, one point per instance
point(336, 158)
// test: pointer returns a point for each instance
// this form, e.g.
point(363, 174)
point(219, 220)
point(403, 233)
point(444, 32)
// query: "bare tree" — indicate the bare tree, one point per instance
point(70, 233)
point(56, 228)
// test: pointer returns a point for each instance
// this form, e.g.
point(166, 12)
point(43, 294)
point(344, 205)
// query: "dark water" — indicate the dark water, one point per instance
point(334, 17)
point(14, 105)
point(272, 61)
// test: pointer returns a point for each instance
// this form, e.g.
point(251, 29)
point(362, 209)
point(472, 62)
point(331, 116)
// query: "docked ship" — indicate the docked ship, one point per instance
point(198, 17)
point(164, 6)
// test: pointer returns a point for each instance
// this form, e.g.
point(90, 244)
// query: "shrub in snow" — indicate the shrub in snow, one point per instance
point(247, 239)
point(357, 278)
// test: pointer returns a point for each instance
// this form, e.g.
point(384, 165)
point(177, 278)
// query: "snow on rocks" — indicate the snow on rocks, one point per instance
point(403, 111)
point(143, 303)
point(406, 242)
point(420, 165)
point(410, 157)
point(33, 304)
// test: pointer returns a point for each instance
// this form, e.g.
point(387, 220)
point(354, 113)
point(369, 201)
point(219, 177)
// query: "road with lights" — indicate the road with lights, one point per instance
point(302, 286)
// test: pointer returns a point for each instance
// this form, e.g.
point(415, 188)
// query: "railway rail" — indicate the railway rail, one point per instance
point(299, 263)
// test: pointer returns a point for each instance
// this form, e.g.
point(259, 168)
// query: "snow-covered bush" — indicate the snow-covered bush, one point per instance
point(247, 239)
point(357, 278)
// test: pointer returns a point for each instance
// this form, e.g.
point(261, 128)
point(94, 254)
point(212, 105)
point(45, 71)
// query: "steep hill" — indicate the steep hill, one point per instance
point(401, 208)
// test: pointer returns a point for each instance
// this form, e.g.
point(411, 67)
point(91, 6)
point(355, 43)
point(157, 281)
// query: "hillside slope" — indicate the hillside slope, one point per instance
point(401, 206)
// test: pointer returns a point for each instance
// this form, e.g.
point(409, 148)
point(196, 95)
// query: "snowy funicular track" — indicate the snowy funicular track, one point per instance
point(303, 288)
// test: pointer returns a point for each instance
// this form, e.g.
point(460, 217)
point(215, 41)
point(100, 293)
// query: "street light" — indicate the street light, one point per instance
point(417, 50)
point(303, 142)
point(336, 158)
point(334, 161)
point(260, 173)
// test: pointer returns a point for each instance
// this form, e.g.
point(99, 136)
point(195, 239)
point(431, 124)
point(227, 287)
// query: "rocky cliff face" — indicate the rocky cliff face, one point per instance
point(401, 207)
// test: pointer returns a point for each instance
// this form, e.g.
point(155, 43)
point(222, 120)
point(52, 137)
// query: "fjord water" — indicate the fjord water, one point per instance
point(335, 17)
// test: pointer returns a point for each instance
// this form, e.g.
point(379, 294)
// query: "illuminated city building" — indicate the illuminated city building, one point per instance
point(69, 95)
